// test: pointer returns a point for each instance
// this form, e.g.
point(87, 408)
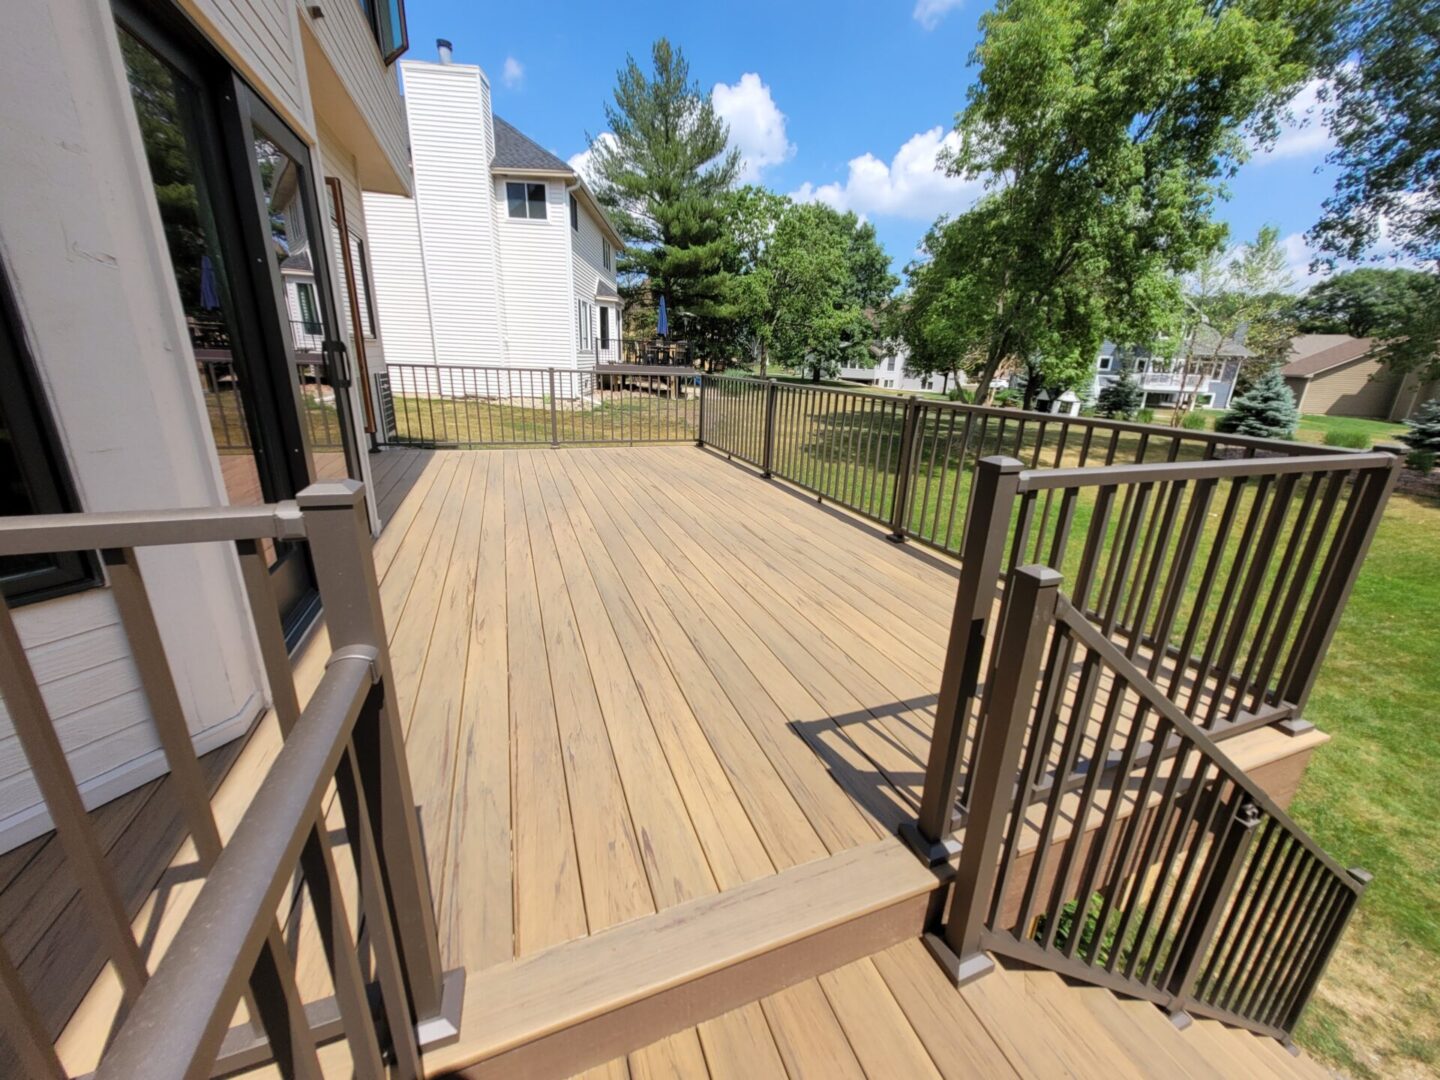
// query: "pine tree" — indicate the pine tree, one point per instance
point(1121, 399)
point(1266, 410)
point(662, 170)
point(1424, 433)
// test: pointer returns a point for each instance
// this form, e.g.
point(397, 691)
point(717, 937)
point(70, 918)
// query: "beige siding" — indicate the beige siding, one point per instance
point(261, 37)
point(1359, 388)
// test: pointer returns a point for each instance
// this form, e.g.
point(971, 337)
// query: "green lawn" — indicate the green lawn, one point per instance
point(1372, 798)
point(1314, 429)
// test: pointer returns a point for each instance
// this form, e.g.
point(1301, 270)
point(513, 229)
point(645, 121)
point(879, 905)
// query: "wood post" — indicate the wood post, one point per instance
point(995, 488)
point(899, 512)
point(1008, 700)
point(336, 527)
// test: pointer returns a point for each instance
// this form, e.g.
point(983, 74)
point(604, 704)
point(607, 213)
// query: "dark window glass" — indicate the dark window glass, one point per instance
point(574, 213)
point(362, 286)
point(536, 194)
point(309, 313)
point(515, 197)
point(387, 23)
point(604, 328)
point(33, 479)
point(605, 252)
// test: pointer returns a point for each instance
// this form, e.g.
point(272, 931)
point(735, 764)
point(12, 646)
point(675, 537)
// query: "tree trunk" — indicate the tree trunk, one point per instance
point(764, 360)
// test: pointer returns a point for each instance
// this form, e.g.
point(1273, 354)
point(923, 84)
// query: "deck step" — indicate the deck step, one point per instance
point(584, 1002)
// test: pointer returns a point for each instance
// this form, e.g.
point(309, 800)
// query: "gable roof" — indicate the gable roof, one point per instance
point(514, 150)
point(1312, 361)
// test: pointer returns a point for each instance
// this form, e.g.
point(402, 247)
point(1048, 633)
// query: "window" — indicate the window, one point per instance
point(574, 213)
point(605, 252)
point(387, 23)
point(582, 323)
point(33, 479)
point(1105, 362)
point(526, 200)
point(309, 312)
point(604, 328)
point(890, 364)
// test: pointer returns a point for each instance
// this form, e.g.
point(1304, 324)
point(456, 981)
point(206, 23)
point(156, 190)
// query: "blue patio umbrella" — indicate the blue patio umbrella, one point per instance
point(662, 321)
point(209, 293)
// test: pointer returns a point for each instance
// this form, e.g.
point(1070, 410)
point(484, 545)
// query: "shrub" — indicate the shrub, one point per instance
point(1267, 410)
point(1424, 433)
point(1121, 399)
point(1194, 421)
point(1422, 461)
point(1354, 440)
point(959, 393)
point(1145, 416)
point(1009, 399)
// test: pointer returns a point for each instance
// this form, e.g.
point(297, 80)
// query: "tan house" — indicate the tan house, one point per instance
point(1340, 375)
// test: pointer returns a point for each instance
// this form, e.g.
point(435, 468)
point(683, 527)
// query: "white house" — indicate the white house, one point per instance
point(1201, 371)
point(890, 373)
point(502, 258)
point(170, 332)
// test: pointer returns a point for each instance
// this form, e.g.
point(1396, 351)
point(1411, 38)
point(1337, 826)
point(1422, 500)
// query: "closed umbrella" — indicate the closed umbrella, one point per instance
point(662, 321)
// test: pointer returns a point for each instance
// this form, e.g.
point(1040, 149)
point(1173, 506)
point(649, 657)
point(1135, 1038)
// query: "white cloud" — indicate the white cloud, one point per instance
point(1298, 255)
point(581, 162)
point(1303, 133)
point(757, 126)
point(513, 73)
point(910, 186)
point(928, 13)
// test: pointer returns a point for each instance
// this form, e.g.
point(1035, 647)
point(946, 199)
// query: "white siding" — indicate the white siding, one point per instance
point(451, 145)
point(588, 258)
point(78, 220)
point(539, 282)
point(401, 300)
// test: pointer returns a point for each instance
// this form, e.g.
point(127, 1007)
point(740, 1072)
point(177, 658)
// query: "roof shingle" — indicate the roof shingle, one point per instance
point(1313, 363)
point(514, 150)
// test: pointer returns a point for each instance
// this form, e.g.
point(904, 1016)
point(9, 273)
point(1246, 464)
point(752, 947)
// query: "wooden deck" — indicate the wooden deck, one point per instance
point(631, 680)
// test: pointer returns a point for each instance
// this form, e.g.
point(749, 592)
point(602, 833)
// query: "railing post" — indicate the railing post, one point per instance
point(1334, 933)
point(1333, 590)
point(993, 491)
point(899, 512)
point(554, 419)
point(767, 456)
point(1031, 598)
point(700, 417)
point(1211, 904)
point(339, 539)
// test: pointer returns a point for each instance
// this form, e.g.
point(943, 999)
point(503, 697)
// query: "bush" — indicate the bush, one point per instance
point(1010, 399)
point(1145, 416)
point(1354, 440)
point(1267, 411)
point(959, 393)
point(1424, 433)
point(1422, 461)
point(1121, 399)
point(1194, 421)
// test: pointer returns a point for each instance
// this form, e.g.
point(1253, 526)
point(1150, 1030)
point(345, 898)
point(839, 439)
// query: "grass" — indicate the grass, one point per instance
point(1372, 798)
point(1357, 432)
point(618, 416)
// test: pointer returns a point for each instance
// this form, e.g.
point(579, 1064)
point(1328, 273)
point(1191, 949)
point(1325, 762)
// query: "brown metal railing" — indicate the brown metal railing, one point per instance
point(224, 403)
point(229, 945)
point(1165, 873)
point(478, 406)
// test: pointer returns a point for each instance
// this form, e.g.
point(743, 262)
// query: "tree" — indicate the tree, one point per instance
point(1104, 131)
point(1266, 410)
point(1387, 148)
point(1369, 302)
point(662, 172)
point(1121, 399)
point(815, 288)
point(752, 215)
point(1424, 433)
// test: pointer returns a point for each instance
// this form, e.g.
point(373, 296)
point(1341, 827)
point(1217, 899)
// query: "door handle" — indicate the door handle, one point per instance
point(337, 362)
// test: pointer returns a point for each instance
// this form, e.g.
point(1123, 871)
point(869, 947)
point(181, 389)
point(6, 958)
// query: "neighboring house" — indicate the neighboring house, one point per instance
point(1340, 375)
point(889, 373)
point(1200, 371)
point(503, 257)
point(172, 336)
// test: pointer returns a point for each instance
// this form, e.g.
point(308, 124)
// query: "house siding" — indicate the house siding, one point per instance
point(587, 245)
point(262, 39)
point(1359, 388)
point(451, 146)
point(401, 299)
point(539, 290)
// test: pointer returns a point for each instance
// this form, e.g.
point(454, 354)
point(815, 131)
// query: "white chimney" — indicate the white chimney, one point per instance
point(444, 47)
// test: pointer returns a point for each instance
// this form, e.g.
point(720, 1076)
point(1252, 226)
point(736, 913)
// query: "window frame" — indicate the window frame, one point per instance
point(607, 253)
point(361, 259)
point(530, 203)
point(574, 214)
point(44, 469)
point(394, 21)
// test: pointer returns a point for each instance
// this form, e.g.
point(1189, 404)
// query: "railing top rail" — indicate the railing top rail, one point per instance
point(1212, 438)
point(1092, 638)
point(40, 534)
point(1163, 471)
point(180, 1018)
point(559, 369)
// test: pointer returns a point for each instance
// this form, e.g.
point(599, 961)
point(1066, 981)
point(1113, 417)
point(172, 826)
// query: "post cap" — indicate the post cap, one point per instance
point(329, 494)
point(1364, 877)
point(1045, 577)
point(1002, 463)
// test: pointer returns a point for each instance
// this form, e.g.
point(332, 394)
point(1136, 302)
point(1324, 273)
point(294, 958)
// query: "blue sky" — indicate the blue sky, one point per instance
point(847, 101)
